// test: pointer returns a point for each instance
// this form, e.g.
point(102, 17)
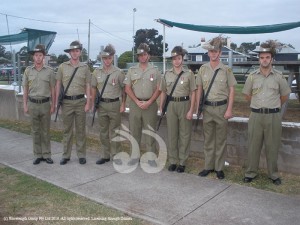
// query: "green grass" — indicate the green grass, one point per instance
point(26, 196)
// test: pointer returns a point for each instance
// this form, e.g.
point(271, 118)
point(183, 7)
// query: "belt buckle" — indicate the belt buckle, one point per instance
point(73, 97)
point(177, 99)
point(214, 103)
point(266, 111)
point(39, 101)
point(106, 100)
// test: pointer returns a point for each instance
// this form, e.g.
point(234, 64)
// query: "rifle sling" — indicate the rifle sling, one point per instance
point(210, 85)
point(174, 86)
point(70, 81)
point(105, 83)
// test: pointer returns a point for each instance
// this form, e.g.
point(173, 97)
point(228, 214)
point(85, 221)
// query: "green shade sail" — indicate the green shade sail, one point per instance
point(233, 29)
point(31, 36)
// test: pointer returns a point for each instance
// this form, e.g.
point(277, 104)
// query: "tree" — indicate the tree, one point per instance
point(84, 55)
point(233, 46)
point(124, 58)
point(246, 47)
point(2, 51)
point(150, 37)
point(62, 58)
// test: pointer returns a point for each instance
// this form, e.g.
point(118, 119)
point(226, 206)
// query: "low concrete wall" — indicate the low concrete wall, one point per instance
point(288, 158)
point(8, 104)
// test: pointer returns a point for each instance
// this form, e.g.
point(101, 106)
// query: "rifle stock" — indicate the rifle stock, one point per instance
point(163, 112)
point(96, 105)
point(60, 100)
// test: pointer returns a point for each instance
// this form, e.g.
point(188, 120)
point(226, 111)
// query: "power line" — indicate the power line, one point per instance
point(110, 33)
point(44, 21)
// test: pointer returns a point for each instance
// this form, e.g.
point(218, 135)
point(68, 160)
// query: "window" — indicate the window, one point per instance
point(198, 58)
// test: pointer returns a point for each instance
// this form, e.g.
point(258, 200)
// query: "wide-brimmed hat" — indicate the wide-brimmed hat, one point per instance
point(268, 47)
point(74, 45)
point(143, 47)
point(109, 50)
point(214, 44)
point(177, 50)
point(38, 48)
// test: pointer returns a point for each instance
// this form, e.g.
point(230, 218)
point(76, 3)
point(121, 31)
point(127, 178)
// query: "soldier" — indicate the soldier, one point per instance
point(267, 89)
point(110, 108)
point(218, 107)
point(38, 87)
point(75, 105)
point(142, 86)
point(180, 109)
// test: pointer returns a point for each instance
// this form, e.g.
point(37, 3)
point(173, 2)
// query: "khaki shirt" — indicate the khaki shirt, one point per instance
point(223, 81)
point(143, 83)
point(266, 91)
point(186, 83)
point(80, 80)
point(39, 82)
point(114, 84)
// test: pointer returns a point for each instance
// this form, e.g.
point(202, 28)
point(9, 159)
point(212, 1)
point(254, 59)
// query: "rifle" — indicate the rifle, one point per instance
point(62, 93)
point(98, 98)
point(60, 100)
point(203, 99)
point(168, 98)
point(96, 105)
point(164, 110)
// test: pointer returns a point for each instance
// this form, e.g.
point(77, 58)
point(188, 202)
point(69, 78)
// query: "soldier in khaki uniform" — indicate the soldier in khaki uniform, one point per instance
point(180, 109)
point(38, 88)
point(112, 103)
point(267, 89)
point(217, 107)
point(142, 86)
point(75, 105)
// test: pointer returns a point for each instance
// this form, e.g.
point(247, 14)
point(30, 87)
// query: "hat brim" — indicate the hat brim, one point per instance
point(69, 49)
point(32, 52)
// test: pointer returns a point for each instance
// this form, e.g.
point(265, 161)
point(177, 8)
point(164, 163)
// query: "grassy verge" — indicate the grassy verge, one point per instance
point(26, 197)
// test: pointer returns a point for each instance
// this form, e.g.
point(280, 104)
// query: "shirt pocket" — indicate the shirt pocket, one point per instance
point(256, 88)
point(273, 87)
point(135, 78)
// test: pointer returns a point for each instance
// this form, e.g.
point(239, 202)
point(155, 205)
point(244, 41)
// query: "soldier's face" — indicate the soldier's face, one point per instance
point(177, 61)
point(38, 57)
point(143, 57)
point(75, 54)
point(107, 60)
point(265, 59)
point(214, 55)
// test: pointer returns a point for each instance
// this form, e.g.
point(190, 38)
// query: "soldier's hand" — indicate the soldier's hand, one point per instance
point(189, 115)
point(52, 109)
point(26, 109)
point(228, 114)
point(122, 108)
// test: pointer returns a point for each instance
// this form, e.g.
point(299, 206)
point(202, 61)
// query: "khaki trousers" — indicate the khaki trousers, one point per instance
point(215, 136)
point(73, 112)
point(40, 129)
point(109, 120)
point(140, 119)
point(179, 132)
point(263, 129)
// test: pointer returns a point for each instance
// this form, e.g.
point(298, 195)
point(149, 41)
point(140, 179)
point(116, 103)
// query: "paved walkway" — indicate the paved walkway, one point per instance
point(161, 198)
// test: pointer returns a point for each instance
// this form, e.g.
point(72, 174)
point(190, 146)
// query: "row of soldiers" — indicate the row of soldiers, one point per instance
point(265, 88)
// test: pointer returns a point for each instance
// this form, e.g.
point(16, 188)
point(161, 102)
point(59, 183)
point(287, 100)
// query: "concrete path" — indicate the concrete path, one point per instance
point(161, 198)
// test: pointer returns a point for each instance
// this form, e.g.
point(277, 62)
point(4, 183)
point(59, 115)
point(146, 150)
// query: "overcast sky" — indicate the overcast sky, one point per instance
point(112, 21)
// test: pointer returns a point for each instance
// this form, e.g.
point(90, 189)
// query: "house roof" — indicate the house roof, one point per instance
point(200, 50)
point(285, 49)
